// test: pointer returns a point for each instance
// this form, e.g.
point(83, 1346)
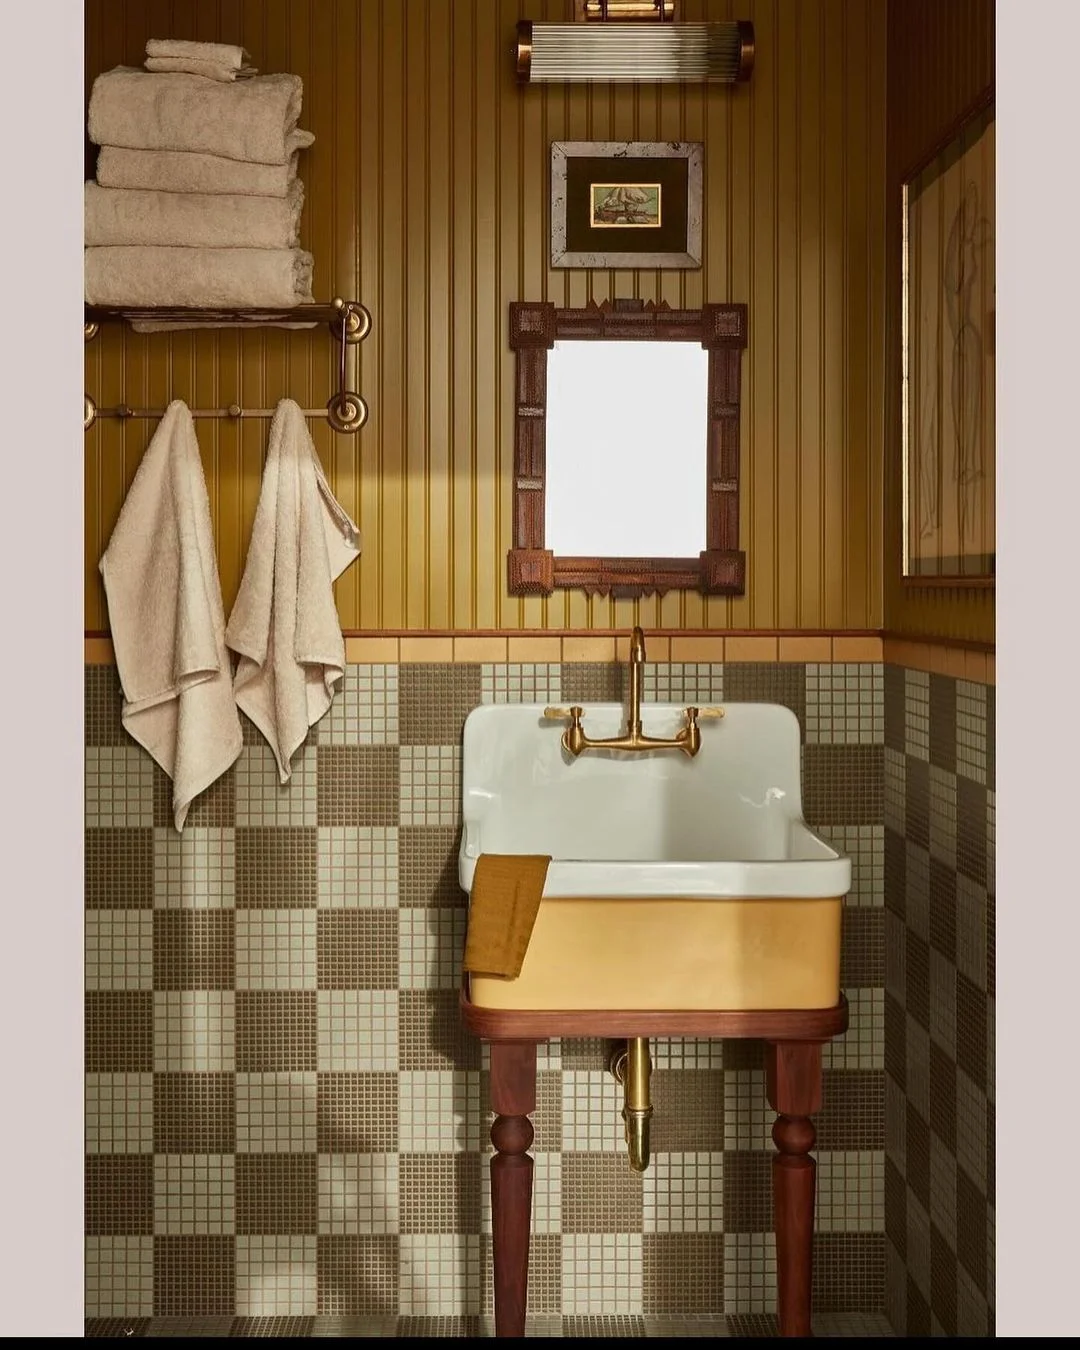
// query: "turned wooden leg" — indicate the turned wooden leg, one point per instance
point(793, 1074)
point(513, 1096)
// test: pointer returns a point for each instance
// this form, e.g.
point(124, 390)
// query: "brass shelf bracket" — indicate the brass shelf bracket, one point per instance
point(348, 320)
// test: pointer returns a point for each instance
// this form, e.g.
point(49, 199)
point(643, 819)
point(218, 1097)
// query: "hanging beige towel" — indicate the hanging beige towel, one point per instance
point(188, 65)
point(182, 171)
point(148, 276)
point(285, 624)
point(191, 219)
point(167, 619)
point(216, 53)
point(248, 120)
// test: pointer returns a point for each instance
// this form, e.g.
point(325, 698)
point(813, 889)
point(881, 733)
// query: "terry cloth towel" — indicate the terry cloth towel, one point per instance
point(167, 619)
point(180, 171)
point(147, 276)
point(249, 120)
point(505, 897)
point(187, 65)
point(216, 53)
point(194, 220)
point(285, 624)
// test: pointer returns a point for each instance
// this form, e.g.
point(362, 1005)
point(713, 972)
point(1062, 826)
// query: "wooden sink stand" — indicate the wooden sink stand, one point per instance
point(793, 1085)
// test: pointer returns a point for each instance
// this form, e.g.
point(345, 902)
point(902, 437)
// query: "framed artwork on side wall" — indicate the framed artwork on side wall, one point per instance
point(948, 372)
point(626, 203)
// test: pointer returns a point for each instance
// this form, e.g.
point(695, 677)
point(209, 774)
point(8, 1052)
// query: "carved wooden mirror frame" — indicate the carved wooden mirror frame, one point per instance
point(720, 569)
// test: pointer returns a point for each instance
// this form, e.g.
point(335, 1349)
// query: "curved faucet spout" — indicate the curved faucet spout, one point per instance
point(688, 740)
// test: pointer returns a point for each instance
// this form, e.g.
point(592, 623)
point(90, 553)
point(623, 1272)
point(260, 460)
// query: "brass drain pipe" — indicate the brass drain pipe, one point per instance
point(631, 1066)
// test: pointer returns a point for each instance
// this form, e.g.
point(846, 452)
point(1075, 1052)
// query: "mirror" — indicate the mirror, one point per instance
point(600, 451)
point(626, 448)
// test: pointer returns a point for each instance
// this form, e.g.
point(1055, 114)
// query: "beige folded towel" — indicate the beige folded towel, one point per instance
point(181, 171)
point(171, 65)
point(191, 219)
point(285, 624)
point(201, 278)
point(249, 120)
point(167, 619)
point(217, 53)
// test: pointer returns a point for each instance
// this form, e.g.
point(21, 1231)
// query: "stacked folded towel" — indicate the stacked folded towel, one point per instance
point(197, 202)
point(215, 60)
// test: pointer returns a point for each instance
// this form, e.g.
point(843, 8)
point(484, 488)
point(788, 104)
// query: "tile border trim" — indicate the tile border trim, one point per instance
point(970, 661)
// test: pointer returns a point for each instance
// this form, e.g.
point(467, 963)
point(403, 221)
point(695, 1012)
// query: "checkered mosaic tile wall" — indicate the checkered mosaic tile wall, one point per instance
point(284, 1116)
point(939, 1003)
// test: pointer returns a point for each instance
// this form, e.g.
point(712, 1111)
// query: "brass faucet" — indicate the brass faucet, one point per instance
point(688, 740)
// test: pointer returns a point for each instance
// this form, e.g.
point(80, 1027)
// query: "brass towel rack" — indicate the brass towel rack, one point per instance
point(348, 320)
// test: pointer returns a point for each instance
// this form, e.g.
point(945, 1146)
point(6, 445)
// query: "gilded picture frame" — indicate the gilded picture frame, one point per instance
point(948, 361)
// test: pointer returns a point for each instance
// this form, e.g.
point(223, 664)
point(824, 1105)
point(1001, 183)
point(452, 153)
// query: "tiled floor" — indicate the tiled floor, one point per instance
point(827, 1324)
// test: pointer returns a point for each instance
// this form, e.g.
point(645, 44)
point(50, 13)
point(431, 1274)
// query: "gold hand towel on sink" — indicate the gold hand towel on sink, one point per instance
point(505, 897)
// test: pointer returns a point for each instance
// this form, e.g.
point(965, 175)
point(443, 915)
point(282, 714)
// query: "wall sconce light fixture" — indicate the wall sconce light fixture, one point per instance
point(635, 41)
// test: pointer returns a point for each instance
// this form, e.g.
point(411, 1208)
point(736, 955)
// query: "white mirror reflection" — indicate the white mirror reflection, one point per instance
point(625, 449)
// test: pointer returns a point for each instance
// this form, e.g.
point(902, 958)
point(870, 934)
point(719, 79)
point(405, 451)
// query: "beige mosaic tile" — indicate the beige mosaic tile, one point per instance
point(684, 1193)
point(357, 866)
point(195, 869)
point(118, 786)
point(601, 1273)
point(276, 1276)
point(277, 1112)
point(262, 799)
point(430, 785)
point(119, 1276)
point(119, 949)
point(119, 1113)
point(194, 1193)
point(359, 1193)
point(275, 949)
point(365, 708)
point(439, 1274)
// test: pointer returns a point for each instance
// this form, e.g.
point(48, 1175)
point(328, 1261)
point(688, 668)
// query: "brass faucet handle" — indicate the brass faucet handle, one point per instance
point(701, 713)
point(564, 714)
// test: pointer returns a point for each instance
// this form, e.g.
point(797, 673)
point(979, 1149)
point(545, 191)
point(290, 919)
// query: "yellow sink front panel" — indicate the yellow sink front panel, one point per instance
point(675, 954)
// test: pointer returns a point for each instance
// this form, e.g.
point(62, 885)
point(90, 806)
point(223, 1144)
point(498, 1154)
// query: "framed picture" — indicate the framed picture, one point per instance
point(948, 364)
point(626, 203)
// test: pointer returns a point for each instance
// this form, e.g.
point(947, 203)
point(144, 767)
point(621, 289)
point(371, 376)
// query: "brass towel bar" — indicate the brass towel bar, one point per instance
point(349, 321)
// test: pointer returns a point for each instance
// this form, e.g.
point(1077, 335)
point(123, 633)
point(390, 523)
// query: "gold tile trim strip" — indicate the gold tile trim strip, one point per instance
point(941, 659)
point(98, 651)
point(937, 657)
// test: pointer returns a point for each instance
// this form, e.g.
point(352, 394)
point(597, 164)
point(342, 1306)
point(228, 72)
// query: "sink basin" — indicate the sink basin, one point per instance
point(675, 883)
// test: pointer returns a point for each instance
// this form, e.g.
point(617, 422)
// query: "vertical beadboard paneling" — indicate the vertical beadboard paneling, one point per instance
point(428, 198)
point(940, 60)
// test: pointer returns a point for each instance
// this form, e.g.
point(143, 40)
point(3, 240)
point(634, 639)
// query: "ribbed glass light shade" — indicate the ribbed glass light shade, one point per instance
point(623, 52)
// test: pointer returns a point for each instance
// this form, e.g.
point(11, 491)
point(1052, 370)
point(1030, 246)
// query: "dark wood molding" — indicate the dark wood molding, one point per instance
point(916, 583)
point(535, 326)
point(982, 100)
point(530, 571)
point(797, 1024)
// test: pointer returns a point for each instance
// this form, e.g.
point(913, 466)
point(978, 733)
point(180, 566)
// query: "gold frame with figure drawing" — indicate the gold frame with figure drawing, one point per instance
point(948, 365)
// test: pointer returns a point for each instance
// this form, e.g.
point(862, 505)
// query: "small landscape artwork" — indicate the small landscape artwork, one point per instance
point(624, 206)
